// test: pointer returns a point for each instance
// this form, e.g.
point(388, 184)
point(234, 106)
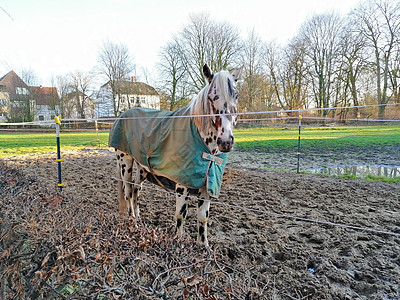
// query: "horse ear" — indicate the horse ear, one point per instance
point(207, 73)
point(237, 74)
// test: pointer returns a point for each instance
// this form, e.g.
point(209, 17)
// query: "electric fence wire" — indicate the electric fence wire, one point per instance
point(48, 122)
point(318, 118)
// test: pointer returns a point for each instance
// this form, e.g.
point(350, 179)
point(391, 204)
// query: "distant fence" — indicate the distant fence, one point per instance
point(310, 115)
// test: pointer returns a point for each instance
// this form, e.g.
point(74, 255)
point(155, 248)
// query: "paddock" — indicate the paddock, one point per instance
point(274, 235)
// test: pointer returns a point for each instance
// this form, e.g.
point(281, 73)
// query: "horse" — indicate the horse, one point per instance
point(184, 150)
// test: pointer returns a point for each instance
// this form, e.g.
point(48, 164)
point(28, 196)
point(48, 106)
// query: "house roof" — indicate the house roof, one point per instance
point(136, 88)
point(44, 95)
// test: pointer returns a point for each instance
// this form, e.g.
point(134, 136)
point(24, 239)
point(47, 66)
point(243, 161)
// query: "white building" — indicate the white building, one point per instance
point(132, 94)
point(46, 103)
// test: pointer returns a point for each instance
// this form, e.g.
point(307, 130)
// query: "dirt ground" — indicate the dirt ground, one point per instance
point(271, 235)
point(318, 158)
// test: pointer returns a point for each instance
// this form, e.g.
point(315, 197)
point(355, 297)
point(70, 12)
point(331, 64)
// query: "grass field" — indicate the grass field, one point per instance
point(251, 139)
point(16, 143)
point(276, 140)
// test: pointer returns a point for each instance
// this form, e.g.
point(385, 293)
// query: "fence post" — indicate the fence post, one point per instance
point(59, 160)
point(298, 146)
point(97, 132)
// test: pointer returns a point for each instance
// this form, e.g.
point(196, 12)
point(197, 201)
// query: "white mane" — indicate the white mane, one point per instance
point(200, 104)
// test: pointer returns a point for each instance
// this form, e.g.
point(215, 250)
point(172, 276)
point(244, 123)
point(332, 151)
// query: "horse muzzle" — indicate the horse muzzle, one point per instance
point(225, 145)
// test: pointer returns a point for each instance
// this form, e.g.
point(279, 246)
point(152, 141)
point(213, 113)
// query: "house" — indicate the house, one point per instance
point(132, 94)
point(22, 103)
point(16, 102)
point(46, 103)
point(77, 105)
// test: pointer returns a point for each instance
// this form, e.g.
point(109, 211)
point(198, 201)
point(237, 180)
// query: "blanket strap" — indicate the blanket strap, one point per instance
point(213, 158)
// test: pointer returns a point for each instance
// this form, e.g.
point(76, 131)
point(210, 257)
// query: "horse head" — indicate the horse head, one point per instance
point(222, 97)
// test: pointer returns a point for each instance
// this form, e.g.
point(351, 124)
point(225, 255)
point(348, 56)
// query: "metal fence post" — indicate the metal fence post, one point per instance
point(59, 160)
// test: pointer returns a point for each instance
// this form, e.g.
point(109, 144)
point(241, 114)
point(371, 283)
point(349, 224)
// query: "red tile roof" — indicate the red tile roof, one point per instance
point(44, 95)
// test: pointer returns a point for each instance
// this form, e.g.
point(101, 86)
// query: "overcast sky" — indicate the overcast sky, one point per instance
point(54, 37)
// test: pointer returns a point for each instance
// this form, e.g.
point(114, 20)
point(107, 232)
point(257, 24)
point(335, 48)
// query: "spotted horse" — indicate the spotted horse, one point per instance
point(184, 150)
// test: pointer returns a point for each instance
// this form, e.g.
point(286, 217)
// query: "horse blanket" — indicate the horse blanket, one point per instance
point(170, 146)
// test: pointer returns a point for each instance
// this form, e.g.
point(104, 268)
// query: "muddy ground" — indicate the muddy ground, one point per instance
point(293, 258)
point(318, 157)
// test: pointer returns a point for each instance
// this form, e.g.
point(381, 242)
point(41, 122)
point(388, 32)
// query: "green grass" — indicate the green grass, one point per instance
point(252, 139)
point(277, 140)
point(371, 178)
point(273, 140)
point(382, 178)
point(29, 143)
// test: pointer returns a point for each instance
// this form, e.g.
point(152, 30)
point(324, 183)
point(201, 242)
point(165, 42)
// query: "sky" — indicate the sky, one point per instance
point(54, 37)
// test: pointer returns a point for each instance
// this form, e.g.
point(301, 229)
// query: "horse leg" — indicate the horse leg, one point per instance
point(181, 208)
point(136, 187)
point(130, 184)
point(122, 161)
point(203, 208)
point(124, 166)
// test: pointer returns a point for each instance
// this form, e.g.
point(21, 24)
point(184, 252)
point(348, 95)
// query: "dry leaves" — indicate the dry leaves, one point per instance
point(53, 245)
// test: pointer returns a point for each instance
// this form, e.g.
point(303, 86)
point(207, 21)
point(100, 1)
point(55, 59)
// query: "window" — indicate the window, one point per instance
point(41, 118)
point(21, 91)
point(143, 100)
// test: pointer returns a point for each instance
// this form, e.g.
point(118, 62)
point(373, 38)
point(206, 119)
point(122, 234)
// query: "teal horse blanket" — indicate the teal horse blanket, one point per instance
point(170, 146)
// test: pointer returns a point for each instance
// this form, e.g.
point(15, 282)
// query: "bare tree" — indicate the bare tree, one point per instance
point(80, 85)
point(293, 75)
point(63, 86)
point(114, 65)
point(29, 77)
point(27, 102)
point(379, 23)
point(206, 41)
point(145, 75)
point(288, 72)
point(321, 40)
point(252, 51)
point(173, 74)
point(394, 75)
point(353, 63)
point(272, 60)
